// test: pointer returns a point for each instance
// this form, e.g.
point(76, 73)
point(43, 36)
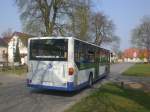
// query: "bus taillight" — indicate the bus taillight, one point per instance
point(71, 71)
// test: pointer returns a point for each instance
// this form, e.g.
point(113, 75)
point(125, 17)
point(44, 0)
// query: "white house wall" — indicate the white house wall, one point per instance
point(12, 47)
point(3, 59)
point(135, 60)
point(23, 50)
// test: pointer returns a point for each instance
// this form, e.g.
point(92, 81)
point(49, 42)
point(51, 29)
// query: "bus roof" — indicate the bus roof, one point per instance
point(35, 38)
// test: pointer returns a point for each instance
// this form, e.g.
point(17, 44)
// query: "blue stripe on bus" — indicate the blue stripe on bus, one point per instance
point(38, 86)
point(70, 86)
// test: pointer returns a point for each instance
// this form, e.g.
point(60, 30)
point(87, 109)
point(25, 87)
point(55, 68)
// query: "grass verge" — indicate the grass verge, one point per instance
point(113, 98)
point(138, 70)
point(20, 70)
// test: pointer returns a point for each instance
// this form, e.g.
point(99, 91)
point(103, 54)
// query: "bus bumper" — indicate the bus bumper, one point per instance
point(70, 87)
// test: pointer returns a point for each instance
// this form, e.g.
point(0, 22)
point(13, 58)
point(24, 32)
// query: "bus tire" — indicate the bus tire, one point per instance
point(90, 81)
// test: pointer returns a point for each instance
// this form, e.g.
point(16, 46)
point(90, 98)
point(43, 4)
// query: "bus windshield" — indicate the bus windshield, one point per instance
point(49, 49)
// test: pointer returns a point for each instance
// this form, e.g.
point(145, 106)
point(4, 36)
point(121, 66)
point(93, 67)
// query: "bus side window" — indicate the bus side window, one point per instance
point(76, 53)
point(91, 55)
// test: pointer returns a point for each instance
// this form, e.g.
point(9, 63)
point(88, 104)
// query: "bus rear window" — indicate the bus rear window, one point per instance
point(49, 49)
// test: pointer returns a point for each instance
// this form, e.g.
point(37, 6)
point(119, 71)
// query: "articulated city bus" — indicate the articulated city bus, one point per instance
point(65, 63)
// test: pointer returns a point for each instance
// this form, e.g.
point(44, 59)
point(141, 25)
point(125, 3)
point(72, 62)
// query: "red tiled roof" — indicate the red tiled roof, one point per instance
point(134, 52)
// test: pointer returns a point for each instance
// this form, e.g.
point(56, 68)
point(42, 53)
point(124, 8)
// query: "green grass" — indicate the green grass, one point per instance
point(113, 98)
point(17, 70)
point(138, 70)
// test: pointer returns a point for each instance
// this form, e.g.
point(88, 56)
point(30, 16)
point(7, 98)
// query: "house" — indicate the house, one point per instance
point(113, 57)
point(3, 52)
point(135, 55)
point(20, 39)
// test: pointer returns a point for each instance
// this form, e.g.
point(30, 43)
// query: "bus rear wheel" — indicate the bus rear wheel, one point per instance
point(90, 82)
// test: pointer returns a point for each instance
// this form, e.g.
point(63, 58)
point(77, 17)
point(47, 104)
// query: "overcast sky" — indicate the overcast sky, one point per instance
point(126, 14)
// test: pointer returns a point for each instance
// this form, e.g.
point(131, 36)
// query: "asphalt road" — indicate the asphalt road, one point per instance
point(16, 97)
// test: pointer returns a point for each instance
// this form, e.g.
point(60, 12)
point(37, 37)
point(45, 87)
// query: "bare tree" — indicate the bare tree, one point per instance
point(141, 35)
point(7, 33)
point(41, 16)
point(80, 19)
point(103, 28)
point(65, 18)
point(115, 44)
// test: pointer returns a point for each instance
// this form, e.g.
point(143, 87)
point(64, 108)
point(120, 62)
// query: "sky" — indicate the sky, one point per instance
point(126, 14)
point(9, 16)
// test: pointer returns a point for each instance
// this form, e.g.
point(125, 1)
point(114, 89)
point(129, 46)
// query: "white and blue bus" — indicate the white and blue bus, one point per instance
point(65, 63)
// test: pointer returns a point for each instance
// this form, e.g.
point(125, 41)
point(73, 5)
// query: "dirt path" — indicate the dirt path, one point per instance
point(131, 81)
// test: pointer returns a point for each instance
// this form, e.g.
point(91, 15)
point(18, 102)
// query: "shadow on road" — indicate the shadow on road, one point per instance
point(57, 93)
point(65, 93)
